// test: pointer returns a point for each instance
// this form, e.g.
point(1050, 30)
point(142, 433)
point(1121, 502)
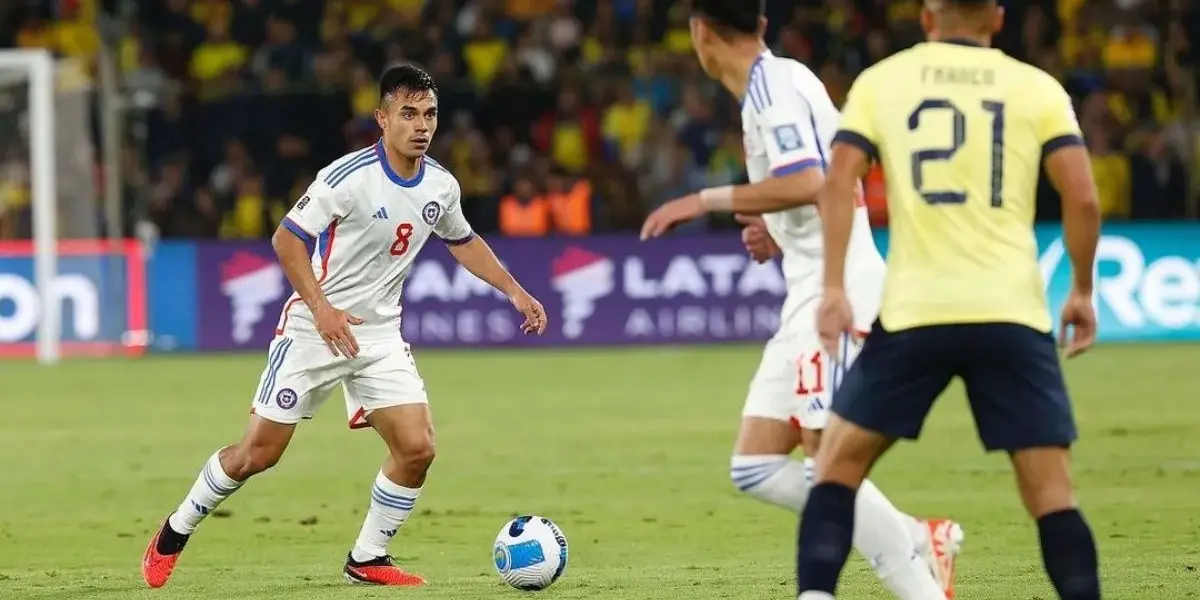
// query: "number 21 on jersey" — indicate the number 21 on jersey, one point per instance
point(944, 108)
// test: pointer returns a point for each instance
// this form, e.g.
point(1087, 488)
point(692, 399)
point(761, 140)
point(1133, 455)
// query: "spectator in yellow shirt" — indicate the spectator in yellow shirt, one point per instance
point(1068, 10)
point(678, 37)
point(625, 124)
point(1111, 171)
point(75, 36)
point(253, 214)
point(218, 55)
point(364, 95)
point(358, 15)
point(727, 164)
point(1131, 47)
point(1142, 104)
point(484, 54)
point(14, 198)
point(1083, 39)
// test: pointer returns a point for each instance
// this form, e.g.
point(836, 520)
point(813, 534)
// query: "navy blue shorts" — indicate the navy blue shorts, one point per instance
point(1014, 384)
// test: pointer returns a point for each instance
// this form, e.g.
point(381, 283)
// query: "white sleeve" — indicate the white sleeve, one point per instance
point(452, 226)
point(314, 211)
point(785, 122)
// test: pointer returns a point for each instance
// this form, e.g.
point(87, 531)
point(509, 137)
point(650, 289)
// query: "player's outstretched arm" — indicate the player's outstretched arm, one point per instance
point(477, 257)
point(770, 195)
point(793, 154)
point(331, 323)
point(773, 194)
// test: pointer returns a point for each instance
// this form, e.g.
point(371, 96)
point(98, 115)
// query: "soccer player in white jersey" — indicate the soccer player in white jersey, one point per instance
point(369, 214)
point(789, 120)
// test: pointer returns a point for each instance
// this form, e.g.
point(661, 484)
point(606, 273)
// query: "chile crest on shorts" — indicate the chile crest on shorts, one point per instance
point(286, 398)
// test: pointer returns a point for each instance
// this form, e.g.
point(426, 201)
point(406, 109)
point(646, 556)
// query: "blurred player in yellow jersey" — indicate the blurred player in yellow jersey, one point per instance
point(961, 131)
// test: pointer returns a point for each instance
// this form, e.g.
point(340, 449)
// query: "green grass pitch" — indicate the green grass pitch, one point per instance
point(627, 450)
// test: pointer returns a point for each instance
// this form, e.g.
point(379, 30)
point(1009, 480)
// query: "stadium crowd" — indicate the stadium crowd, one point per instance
point(565, 116)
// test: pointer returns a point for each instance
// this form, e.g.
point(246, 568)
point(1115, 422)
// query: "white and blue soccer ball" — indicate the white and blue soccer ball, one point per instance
point(530, 553)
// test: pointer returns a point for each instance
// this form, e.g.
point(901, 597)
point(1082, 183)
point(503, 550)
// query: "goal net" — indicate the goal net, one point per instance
point(63, 288)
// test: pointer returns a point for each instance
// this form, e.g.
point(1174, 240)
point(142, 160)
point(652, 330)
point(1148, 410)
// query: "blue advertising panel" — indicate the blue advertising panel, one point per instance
point(1147, 284)
point(615, 290)
point(1147, 280)
point(172, 306)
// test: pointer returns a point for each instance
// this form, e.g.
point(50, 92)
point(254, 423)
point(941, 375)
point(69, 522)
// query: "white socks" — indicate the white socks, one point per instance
point(917, 532)
point(390, 507)
point(212, 487)
point(773, 478)
point(883, 535)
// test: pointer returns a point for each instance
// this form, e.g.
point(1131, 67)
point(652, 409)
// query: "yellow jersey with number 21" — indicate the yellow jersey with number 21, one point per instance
point(960, 131)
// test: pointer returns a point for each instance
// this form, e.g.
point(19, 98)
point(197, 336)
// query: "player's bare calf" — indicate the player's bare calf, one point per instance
point(261, 447)
point(408, 432)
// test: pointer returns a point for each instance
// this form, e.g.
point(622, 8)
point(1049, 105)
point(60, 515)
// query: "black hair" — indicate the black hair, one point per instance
point(741, 16)
point(409, 79)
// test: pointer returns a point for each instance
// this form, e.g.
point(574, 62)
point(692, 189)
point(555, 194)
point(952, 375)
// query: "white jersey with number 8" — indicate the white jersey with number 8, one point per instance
point(368, 224)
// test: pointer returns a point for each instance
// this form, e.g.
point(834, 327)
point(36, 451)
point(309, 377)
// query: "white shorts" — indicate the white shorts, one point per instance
point(301, 373)
point(796, 379)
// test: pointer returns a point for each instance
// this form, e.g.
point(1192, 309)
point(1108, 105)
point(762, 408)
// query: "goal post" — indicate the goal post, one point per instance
point(66, 289)
point(38, 68)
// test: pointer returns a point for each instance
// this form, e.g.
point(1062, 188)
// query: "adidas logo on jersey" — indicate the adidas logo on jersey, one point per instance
point(380, 214)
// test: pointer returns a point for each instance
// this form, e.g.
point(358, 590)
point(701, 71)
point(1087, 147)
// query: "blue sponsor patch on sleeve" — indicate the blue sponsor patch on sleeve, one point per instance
point(787, 138)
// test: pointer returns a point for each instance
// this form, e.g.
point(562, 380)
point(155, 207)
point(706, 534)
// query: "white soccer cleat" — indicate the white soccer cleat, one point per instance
point(945, 542)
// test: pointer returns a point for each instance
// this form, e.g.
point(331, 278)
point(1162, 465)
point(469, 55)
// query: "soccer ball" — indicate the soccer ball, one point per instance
point(530, 553)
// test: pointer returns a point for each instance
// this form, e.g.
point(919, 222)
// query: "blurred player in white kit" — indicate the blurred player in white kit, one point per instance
point(369, 214)
point(788, 121)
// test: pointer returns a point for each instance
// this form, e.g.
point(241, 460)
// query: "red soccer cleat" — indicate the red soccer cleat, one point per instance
point(379, 571)
point(164, 549)
point(945, 542)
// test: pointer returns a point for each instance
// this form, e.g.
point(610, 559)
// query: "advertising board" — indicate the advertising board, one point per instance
point(101, 293)
point(598, 290)
point(612, 290)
